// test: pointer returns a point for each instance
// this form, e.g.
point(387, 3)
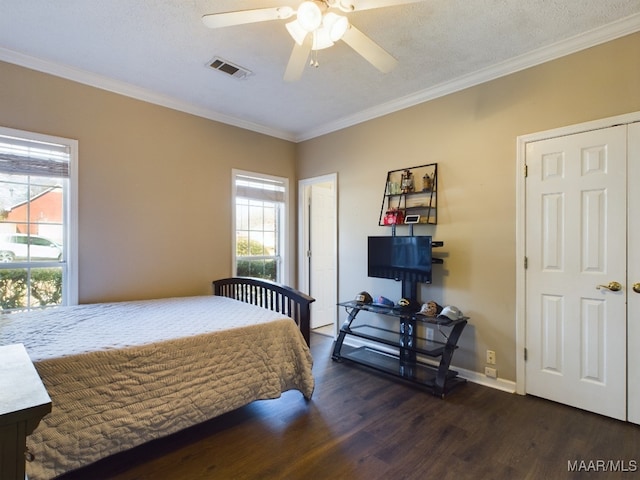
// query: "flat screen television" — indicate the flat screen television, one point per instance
point(406, 259)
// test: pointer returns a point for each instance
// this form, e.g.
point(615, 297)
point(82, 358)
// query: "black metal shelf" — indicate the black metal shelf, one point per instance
point(399, 312)
point(422, 346)
point(421, 373)
point(398, 195)
point(402, 359)
point(420, 192)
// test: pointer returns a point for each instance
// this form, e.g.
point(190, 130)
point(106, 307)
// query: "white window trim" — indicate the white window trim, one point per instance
point(70, 290)
point(285, 237)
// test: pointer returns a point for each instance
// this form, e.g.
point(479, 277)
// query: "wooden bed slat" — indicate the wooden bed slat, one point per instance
point(270, 295)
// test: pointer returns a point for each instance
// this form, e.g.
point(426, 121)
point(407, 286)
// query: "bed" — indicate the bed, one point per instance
point(122, 374)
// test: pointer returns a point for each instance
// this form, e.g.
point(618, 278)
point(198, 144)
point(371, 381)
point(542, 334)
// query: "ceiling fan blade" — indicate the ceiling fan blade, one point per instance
point(370, 50)
point(240, 17)
point(298, 59)
point(371, 4)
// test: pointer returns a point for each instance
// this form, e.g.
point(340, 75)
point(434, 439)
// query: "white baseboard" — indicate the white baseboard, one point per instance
point(469, 375)
point(480, 378)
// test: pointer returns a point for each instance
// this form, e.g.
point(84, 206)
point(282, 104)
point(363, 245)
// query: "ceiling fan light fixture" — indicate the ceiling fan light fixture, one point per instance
point(336, 25)
point(322, 19)
point(309, 16)
point(296, 31)
point(321, 39)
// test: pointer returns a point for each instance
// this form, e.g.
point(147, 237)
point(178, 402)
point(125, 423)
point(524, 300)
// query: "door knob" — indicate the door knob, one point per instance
point(636, 287)
point(613, 286)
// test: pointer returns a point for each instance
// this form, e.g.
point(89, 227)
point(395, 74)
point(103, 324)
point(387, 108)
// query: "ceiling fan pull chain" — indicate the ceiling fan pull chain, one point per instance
point(314, 59)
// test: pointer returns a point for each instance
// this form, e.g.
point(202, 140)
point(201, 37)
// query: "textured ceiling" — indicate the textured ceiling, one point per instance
point(158, 50)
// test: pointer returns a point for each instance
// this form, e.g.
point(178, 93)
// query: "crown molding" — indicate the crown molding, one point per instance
point(133, 91)
point(611, 31)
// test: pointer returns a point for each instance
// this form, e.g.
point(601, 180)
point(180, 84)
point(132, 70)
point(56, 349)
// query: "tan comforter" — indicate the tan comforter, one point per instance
point(122, 374)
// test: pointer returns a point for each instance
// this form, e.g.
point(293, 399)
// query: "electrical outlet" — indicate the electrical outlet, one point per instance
point(491, 372)
point(430, 334)
point(491, 357)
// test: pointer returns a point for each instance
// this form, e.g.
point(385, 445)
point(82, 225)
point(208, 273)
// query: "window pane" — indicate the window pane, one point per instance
point(269, 218)
point(256, 217)
point(34, 195)
point(242, 214)
point(258, 203)
point(242, 244)
point(260, 268)
point(22, 288)
point(46, 287)
point(28, 248)
point(256, 243)
point(269, 241)
point(13, 288)
point(32, 210)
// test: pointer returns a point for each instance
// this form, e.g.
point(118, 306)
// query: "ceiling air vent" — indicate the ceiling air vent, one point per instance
point(222, 65)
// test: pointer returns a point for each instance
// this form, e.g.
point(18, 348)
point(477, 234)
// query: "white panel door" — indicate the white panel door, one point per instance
point(633, 279)
point(322, 248)
point(576, 233)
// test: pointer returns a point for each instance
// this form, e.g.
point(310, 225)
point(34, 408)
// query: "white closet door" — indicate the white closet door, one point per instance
point(633, 215)
point(576, 232)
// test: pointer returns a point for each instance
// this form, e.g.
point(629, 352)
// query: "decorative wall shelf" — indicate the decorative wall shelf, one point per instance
point(410, 196)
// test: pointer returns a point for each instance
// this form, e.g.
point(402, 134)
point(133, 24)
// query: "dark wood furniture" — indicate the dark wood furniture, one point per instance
point(396, 351)
point(23, 403)
point(270, 295)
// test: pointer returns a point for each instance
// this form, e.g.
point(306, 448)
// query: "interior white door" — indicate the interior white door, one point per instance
point(323, 274)
point(633, 279)
point(576, 232)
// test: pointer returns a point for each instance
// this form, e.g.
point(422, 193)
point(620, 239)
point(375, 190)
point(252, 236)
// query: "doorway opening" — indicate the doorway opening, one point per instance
point(318, 251)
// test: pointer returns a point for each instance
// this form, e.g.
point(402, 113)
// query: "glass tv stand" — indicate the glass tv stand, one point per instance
point(401, 352)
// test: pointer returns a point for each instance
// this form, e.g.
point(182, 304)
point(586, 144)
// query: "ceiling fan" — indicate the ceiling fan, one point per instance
point(318, 24)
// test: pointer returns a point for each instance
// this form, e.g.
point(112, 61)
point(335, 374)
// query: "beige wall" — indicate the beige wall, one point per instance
point(154, 183)
point(472, 135)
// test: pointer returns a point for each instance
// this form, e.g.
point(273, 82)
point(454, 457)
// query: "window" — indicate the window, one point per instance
point(37, 221)
point(260, 215)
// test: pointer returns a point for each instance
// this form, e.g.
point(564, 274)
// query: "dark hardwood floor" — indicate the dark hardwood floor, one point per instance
point(362, 425)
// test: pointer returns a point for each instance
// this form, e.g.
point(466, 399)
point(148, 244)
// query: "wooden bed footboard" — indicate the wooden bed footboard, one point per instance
point(270, 295)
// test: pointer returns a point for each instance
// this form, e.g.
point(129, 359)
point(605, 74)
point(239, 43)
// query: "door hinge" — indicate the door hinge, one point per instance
point(525, 354)
point(526, 263)
point(526, 170)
